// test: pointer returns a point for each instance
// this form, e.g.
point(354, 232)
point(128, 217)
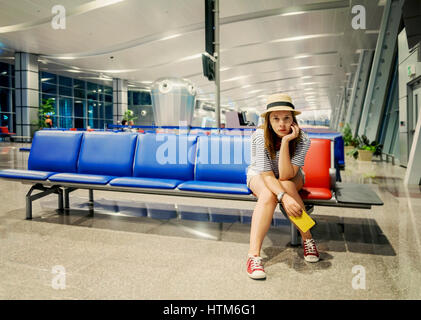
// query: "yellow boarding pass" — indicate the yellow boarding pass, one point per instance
point(304, 223)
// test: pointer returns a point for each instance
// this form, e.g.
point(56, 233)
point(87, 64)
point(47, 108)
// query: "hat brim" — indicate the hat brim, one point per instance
point(280, 108)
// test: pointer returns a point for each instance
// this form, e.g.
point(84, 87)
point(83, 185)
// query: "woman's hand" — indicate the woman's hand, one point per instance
point(291, 206)
point(294, 133)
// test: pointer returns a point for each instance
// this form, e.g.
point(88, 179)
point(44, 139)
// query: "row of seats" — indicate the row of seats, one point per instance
point(212, 164)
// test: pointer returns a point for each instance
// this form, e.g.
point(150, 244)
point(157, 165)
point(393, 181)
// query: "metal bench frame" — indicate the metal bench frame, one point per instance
point(63, 189)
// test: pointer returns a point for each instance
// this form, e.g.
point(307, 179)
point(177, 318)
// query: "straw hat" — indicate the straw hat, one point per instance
point(279, 102)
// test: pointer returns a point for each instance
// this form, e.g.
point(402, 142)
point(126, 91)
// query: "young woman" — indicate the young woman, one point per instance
point(275, 176)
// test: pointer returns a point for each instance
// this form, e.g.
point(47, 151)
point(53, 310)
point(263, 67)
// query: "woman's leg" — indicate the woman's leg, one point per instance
point(262, 214)
point(292, 187)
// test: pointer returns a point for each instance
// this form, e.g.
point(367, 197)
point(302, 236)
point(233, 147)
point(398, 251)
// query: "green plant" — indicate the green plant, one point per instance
point(353, 152)
point(347, 135)
point(45, 109)
point(373, 146)
point(129, 116)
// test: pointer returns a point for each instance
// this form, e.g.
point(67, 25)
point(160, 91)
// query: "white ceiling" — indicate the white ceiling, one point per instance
point(311, 55)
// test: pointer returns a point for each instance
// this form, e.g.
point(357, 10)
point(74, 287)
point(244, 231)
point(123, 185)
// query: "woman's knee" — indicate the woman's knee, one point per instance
point(294, 184)
point(267, 197)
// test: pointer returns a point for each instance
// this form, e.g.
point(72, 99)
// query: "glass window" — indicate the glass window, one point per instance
point(93, 109)
point(139, 98)
point(5, 119)
point(80, 84)
point(130, 98)
point(66, 107)
point(49, 88)
point(109, 111)
point(4, 67)
point(5, 81)
point(92, 95)
point(55, 121)
point(101, 110)
point(79, 123)
point(107, 122)
point(80, 108)
point(65, 122)
point(136, 98)
point(5, 96)
point(92, 86)
point(94, 123)
point(79, 93)
point(145, 98)
point(47, 77)
point(108, 90)
point(108, 98)
point(65, 91)
point(91, 123)
point(92, 91)
point(64, 81)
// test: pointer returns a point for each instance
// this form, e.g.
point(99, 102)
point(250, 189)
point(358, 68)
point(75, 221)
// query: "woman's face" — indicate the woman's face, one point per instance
point(281, 122)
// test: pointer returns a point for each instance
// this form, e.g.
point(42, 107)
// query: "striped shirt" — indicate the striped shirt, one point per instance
point(260, 157)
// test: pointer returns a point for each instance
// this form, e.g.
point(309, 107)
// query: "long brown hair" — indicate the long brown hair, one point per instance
point(272, 141)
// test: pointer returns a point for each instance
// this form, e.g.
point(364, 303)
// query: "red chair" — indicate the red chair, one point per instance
point(316, 168)
point(4, 132)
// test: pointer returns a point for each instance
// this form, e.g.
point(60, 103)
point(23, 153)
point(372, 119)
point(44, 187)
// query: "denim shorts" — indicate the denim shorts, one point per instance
point(251, 173)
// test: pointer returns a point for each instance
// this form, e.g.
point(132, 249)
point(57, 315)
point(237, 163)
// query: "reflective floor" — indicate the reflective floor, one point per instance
point(155, 247)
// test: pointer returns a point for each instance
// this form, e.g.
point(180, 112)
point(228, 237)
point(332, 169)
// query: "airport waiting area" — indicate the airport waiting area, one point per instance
point(278, 163)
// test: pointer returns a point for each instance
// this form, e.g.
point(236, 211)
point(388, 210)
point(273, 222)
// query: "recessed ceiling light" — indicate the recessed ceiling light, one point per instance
point(65, 58)
point(292, 13)
point(170, 37)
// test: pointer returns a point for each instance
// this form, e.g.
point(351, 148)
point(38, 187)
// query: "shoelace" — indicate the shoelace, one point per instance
point(256, 262)
point(310, 246)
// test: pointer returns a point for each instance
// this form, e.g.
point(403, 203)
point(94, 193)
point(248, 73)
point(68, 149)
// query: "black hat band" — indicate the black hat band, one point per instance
point(280, 104)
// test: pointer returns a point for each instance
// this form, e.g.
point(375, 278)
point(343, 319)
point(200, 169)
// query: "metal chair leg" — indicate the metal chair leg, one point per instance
point(91, 202)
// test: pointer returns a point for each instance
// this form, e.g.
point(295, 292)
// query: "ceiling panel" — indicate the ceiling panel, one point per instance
point(262, 49)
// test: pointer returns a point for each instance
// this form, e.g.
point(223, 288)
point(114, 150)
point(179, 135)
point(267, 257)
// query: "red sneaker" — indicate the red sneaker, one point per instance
point(310, 251)
point(254, 268)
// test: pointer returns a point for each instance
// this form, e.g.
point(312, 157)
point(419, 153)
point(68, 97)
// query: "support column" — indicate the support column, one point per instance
point(413, 171)
point(353, 115)
point(380, 72)
point(342, 108)
point(119, 99)
point(26, 94)
point(334, 114)
point(407, 103)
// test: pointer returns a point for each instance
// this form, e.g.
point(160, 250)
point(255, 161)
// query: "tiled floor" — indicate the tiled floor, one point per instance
point(120, 254)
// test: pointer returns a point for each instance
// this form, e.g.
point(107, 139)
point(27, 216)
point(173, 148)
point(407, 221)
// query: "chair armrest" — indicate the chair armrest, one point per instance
point(332, 175)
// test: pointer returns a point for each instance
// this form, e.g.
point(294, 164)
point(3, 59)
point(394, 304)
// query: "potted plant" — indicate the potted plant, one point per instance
point(348, 139)
point(44, 110)
point(129, 116)
point(367, 149)
point(355, 144)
